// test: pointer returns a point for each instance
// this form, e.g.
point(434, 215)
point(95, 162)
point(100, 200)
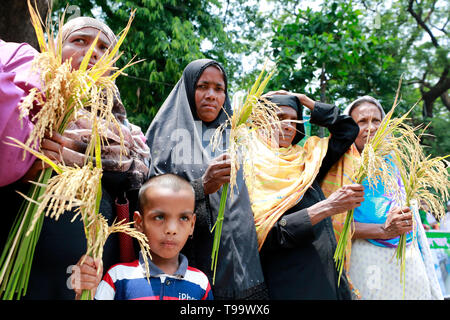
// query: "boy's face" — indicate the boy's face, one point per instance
point(167, 221)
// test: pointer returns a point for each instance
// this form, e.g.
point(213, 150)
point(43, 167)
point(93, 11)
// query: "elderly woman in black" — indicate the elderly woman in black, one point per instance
point(179, 140)
point(297, 250)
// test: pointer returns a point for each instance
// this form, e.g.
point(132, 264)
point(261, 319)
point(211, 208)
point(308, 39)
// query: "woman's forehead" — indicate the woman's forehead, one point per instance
point(79, 23)
point(90, 32)
point(212, 73)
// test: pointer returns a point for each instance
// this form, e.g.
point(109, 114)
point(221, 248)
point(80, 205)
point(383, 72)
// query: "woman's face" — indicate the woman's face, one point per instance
point(368, 118)
point(288, 128)
point(210, 94)
point(78, 43)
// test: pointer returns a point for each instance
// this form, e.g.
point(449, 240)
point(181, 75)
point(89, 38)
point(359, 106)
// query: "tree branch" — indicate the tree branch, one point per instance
point(421, 82)
point(429, 13)
point(226, 13)
point(422, 23)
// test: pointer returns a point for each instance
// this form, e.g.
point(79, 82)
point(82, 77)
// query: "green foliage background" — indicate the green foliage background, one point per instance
point(334, 51)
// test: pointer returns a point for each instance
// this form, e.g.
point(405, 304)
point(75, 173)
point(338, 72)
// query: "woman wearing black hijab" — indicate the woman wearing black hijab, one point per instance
point(179, 141)
point(297, 254)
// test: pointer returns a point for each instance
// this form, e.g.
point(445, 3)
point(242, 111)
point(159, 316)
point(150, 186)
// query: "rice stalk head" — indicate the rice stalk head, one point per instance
point(253, 114)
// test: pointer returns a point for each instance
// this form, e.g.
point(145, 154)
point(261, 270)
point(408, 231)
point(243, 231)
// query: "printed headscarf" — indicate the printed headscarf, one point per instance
point(180, 143)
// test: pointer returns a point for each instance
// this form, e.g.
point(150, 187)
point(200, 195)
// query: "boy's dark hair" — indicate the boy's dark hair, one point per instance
point(167, 180)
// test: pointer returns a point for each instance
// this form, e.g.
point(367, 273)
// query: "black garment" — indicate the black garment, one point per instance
point(180, 143)
point(61, 243)
point(297, 258)
point(11, 200)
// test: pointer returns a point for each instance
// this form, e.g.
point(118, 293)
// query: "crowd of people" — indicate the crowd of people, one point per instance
point(172, 190)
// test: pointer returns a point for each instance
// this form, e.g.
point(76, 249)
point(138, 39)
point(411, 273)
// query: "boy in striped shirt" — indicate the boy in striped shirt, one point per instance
point(166, 216)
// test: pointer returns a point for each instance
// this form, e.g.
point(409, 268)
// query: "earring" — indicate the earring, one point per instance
point(191, 236)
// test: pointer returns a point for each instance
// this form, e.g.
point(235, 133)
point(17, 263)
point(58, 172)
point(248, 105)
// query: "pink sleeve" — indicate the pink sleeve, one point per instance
point(15, 83)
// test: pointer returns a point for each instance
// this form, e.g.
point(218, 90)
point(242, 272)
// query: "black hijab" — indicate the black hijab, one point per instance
point(294, 103)
point(180, 143)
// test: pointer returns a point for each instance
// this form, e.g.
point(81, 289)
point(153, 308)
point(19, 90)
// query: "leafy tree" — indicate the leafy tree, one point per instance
point(348, 49)
point(328, 55)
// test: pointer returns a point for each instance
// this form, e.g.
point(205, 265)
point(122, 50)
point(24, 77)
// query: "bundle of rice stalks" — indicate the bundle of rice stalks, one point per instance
point(425, 179)
point(253, 114)
point(374, 165)
point(80, 189)
point(63, 93)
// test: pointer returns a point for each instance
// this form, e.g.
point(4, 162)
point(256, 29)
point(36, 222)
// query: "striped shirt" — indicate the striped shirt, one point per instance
point(128, 281)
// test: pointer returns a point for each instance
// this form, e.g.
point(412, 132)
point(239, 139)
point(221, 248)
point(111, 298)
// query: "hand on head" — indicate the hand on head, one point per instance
point(304, 100)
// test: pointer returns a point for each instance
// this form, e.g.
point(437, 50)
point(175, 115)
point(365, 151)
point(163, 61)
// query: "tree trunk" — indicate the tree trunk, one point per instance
point(445, 98)
point(15, 22)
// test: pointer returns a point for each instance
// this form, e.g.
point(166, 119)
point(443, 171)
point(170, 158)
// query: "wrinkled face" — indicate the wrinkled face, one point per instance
point(78, 43)
point(368, 117)
point(167, 221)
point(288, 128)
point(210, 94)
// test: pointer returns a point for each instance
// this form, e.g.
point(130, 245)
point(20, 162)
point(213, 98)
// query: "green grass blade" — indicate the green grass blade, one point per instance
point(218, 230)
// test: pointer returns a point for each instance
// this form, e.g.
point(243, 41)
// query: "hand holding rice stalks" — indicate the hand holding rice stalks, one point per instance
point(254, 114)
point(425, 179)
point(374, 167)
